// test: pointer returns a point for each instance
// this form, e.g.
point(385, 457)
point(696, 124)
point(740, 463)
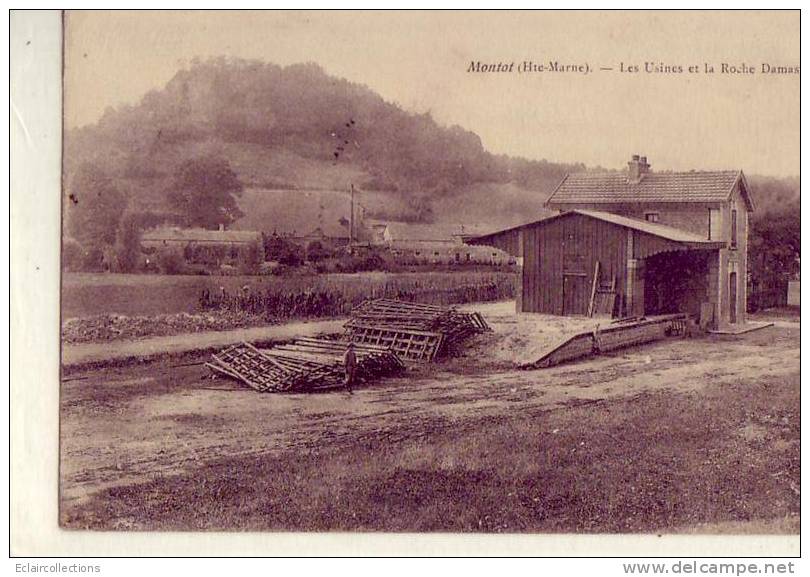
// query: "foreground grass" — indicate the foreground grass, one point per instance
point(653, 463)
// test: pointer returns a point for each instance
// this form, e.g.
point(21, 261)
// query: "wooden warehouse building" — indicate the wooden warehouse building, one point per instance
point(637, 243)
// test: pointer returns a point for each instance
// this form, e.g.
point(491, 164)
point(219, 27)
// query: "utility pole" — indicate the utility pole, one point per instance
point(346, 139)
point(351, 219)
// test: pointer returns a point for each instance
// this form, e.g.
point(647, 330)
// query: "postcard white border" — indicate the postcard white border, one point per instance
point(35, 140)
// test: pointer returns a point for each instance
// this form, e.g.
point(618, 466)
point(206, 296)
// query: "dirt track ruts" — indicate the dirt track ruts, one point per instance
point(132, 424)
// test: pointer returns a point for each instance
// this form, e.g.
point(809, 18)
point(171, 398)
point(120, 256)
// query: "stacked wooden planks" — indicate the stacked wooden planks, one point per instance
point(307, 364)
point(413, 331)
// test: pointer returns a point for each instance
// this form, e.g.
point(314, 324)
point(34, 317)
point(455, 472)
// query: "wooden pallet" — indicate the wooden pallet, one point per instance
point(304, 365)
point(246, 363)
point(407, 344)
point(414, 315)
point(415, 332)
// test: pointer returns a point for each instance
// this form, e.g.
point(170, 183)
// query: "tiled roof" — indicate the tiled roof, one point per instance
point(404, 231)
point(427, 248)
point(200, 235)
point(614, 187)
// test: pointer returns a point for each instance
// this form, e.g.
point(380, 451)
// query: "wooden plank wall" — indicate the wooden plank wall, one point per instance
point(508, 241)
point(550, 248)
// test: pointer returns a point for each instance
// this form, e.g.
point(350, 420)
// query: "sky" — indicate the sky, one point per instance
point(421, 61)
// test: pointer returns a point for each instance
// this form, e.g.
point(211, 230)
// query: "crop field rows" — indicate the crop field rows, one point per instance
point(89, 294)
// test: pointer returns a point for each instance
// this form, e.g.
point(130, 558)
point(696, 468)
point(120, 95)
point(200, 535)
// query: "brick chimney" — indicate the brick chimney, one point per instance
point(637, 168)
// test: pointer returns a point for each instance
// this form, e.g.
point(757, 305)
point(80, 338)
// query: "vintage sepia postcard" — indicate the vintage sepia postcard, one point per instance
point(455, 272)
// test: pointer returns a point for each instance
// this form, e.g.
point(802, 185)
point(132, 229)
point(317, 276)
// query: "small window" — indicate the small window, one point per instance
point(733, 228)
point(651, 216)
point(715, 232)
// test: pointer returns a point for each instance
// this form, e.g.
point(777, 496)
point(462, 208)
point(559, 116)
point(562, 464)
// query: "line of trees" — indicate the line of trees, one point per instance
point(774, 240)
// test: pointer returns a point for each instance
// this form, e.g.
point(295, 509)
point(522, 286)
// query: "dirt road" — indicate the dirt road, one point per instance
point(80, 354)
point(543, 330)
point(131, 425)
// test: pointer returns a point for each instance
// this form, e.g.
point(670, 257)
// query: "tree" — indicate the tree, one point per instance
point(203, 191)
point(72, 255)
point(316, 251)
point(282, 250)
point(128, 243)
point(170, 260)
point(291, 255)
point(93, 208)
point(775, 246)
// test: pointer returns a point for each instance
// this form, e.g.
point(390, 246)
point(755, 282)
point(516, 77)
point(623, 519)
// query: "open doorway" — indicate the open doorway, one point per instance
point(676, 282)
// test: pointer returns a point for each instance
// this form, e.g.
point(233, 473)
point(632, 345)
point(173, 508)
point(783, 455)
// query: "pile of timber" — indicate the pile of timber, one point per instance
point(307, 364)
point(413, 331)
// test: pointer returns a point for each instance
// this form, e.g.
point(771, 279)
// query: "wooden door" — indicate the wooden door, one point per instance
point(575, 294)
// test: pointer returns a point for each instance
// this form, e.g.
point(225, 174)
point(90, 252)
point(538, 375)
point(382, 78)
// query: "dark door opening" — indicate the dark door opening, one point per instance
point(676, 282)
point(732, 297)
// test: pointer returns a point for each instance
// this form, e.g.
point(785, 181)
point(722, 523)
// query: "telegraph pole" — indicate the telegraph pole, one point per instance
point(339, 149)
point(351, 219)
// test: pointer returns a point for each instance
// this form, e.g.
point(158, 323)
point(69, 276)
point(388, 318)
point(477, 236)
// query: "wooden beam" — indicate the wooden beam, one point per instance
point(593, 288)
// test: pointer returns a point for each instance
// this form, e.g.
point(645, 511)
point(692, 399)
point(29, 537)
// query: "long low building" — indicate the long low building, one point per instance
point(449, 253)
point(206, 246)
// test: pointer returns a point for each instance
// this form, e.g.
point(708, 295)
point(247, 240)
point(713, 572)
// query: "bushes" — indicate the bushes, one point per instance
point(291, 255)
point(283, 251)
point(170, 260)
point(316, 252)
point(359, 263)
point(337, 299)
point(247, 261)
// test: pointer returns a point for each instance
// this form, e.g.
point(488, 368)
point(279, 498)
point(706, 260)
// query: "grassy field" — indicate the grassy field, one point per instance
point(651, 463)
point(646, 440)
point(86, 294)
